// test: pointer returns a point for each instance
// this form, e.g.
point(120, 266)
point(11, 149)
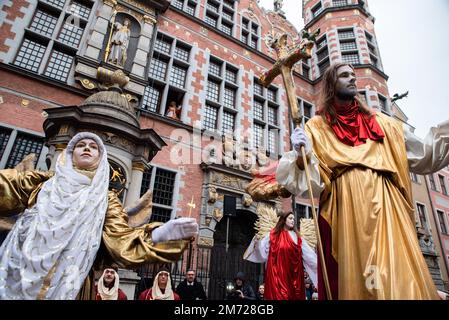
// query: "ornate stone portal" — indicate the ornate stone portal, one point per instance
point(219, 181)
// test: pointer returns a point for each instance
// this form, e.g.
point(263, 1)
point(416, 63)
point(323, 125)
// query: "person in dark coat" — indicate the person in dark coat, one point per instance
point(242, 290)
point(190, 288)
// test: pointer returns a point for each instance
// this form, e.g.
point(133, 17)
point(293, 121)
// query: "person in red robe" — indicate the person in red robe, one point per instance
point(161, 289)
point(286, 254)
point(107, 287)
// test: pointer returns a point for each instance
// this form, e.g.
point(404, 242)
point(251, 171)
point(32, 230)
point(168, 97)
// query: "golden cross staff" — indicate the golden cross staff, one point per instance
point(286, 59)
point(191, 206)
point(108, 46)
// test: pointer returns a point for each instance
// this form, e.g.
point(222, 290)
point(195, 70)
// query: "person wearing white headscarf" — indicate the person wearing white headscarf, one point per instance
point(161, 289)
point(64, 218)
point(108, 286)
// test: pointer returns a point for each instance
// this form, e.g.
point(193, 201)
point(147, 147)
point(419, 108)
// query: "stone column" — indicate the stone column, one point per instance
point(96, 40)
point(128, 281)
point(143, 47)
point(136, 181)
point(58, 149)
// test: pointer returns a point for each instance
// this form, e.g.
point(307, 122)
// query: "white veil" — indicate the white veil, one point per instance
point(50, 250)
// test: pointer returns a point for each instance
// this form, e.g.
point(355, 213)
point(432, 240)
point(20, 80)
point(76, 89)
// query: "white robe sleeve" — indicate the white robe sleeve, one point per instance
point(294, 179)
point(257, 251)
point(309, 259)
point(432, 153)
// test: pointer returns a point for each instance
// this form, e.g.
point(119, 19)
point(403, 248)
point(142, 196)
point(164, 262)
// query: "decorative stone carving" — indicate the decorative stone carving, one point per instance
point(111, 3)
point(251, 8)
point(206, 242)
point(139, 166)
point(117, 178)
point(149, 19)
point(64, 129)
point(207, 221)
point(213, 195)
point(229, 181)
point(115, 140)
point(247, 200)
point(245, 159)
point(86, 83)
point(228, 151)
point(122, 9)
point(218, 214)
point(141, 5)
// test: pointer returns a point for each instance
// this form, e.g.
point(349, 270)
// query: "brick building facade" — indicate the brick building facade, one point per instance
point(205, 56)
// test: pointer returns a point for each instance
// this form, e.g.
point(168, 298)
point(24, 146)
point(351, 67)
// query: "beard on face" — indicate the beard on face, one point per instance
point(346, 94)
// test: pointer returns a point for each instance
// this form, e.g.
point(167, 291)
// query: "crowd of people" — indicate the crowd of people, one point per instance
point(190, 288)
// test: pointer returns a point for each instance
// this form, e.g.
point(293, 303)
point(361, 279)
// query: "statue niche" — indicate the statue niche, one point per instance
point(124, 31)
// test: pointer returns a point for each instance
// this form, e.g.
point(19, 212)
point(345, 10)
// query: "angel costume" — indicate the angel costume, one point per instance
point(68, 221)
point(366, 217)
point(286, 255)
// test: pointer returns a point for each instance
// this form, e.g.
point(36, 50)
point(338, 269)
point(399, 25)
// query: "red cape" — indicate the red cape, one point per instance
point(284, 277)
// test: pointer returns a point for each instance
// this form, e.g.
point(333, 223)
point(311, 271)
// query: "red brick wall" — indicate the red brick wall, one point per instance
point(14, 88)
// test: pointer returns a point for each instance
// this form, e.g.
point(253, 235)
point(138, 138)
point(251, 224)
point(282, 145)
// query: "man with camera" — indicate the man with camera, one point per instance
point(241, 290)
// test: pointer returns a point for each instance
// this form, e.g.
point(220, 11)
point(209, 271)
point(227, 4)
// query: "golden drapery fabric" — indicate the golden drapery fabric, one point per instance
point(129, 247)
point(367, 202)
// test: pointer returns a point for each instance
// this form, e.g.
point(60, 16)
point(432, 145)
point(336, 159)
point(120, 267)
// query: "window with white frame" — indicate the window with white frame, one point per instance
point(266, 118)
point(52, 38)
point(250, 33)
point(362, 95)
point(22, 144)
point(362, 4)
point(414, 177)
point(162, 184)
point(220, 14)
point(317, 9)
point(167, 74)
point(348, 46)
point(372, 47)
point(4, 138)
point(188, 6)
point(306, 109)
point(322, 54)
point(221, 97)
point(442, 184)
point(383, 104)
point(433, 185)
point(441, 221)
point(306, 69)
point(422, 215)
point(302, 212)
point(339, 3)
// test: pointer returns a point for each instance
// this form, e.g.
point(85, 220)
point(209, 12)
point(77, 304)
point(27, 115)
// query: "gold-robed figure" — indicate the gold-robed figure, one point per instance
point(68, 225)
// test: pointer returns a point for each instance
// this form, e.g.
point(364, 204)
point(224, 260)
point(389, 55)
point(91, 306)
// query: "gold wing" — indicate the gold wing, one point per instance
point(267, 219)
point(308, 232)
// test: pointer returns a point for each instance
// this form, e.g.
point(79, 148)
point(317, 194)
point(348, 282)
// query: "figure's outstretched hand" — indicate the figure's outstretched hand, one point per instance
point(299, 138)
point(177, 229)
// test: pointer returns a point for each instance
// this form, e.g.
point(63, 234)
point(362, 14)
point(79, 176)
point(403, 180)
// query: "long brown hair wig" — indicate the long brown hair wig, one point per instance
point(327, 96)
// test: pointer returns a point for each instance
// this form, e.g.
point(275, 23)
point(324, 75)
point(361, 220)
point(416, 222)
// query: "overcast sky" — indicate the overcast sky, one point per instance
point(413, 38)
